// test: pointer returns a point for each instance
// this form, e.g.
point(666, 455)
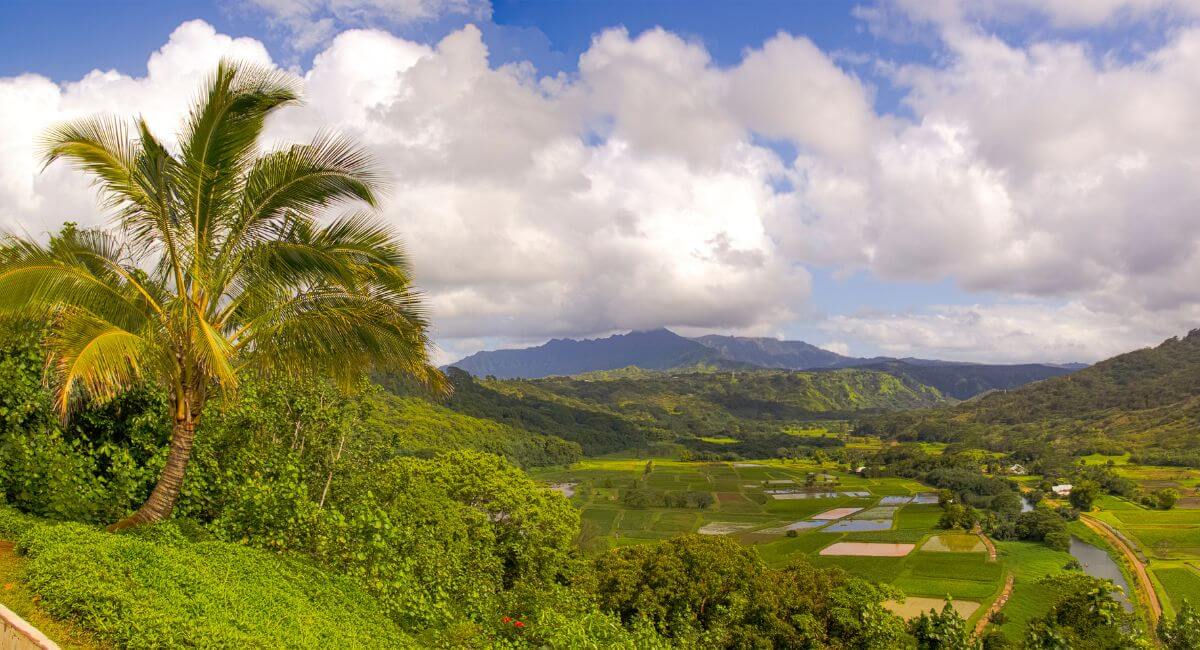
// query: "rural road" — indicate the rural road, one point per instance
point(1144, 584)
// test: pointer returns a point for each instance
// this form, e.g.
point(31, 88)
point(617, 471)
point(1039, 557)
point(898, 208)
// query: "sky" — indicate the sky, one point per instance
point(997, 180)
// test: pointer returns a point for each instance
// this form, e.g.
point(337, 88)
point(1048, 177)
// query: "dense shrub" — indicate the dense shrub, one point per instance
point(169, 592)
point(714, 592)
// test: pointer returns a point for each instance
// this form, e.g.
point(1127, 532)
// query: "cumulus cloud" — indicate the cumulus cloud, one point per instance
point(1025, 332)
point(636, 191)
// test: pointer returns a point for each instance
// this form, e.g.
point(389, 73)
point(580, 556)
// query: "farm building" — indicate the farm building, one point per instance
point(1063, 490)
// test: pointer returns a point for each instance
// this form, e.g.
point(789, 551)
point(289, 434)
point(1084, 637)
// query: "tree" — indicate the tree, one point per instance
point(1182, 633)
point(218, 266)
point(1083, 495)
point(942, 631)
point(1166, 498)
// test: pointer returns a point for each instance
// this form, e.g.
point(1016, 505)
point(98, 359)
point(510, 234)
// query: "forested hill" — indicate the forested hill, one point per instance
point(1138, 400)
point(623, 410)
point(965, 380)
point(664, 350)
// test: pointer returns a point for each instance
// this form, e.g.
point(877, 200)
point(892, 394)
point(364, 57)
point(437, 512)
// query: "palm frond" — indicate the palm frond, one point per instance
point(219, 140)
point(94, 355)
point(102, 147)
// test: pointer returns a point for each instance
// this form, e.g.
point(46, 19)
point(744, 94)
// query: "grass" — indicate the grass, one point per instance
point(169, 592)
point(17, 596)
point(1179, 582)
point(1029, 562)
point(740, 499)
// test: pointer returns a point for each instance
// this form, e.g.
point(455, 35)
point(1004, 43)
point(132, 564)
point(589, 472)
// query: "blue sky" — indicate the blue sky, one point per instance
point(940, 225)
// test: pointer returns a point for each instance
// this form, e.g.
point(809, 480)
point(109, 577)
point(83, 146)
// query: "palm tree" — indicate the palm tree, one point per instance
point(219, 267)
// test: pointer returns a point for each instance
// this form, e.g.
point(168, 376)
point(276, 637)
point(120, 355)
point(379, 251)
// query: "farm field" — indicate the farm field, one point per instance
point(883, 529)
point(1168, 540)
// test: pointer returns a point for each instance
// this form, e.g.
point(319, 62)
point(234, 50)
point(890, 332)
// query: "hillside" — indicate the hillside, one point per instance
point(1144, 399)
point(774, 353)
point(663, 350)
point(415, 426)
point(630, 409)
point(966, 380)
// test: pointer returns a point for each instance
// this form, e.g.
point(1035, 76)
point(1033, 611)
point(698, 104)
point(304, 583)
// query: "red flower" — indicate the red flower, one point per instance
point(506, 619)
point(519, 624)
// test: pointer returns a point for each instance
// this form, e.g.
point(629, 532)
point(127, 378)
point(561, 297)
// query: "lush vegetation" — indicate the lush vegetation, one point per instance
point(158, 588)
point(1145, 401)
point(223, 398)
point(607, 412)
point(218, 268)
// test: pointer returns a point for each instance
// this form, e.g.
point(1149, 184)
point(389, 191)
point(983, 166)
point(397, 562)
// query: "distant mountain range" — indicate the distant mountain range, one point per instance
point(662, 349)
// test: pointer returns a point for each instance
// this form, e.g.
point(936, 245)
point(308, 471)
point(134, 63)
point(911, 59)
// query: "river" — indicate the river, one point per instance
point(1097, 563)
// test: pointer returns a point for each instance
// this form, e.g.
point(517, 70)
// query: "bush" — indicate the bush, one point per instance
point(138, 593)
point(1059, 540)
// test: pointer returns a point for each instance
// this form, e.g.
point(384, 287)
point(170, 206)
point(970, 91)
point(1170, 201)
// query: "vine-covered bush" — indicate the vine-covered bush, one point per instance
point(158, 590)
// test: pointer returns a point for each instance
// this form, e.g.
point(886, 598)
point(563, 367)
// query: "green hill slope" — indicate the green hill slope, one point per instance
point(412, 425)
point(1136, 401)
point(611, 411)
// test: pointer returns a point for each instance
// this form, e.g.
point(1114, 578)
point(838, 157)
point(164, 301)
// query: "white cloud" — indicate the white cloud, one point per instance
point(636, 192)
point(1011, 332)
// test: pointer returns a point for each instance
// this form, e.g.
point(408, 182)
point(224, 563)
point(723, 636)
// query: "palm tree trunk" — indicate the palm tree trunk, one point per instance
point(162, 499)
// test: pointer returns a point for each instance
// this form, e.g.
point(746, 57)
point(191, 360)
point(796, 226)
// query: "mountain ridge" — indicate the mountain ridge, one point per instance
point(663, 350)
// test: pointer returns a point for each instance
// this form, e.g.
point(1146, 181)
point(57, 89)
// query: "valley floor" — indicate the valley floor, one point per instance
point(883, 529)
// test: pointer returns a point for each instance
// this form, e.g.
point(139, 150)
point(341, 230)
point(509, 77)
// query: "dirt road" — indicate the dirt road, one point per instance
point(997, 605)
point(1144, 585)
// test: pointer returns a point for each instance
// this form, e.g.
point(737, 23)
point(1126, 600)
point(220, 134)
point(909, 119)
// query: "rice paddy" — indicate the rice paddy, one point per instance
point(868, 549)
point(954, 543)
point(1168, 540)
point(876, 528)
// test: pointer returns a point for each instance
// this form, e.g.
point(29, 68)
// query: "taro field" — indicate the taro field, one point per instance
point(882, 529)
point(1167, 540)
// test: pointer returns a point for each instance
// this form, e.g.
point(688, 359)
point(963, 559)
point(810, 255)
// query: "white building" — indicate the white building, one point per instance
point(1063, 490)
point(1017, 469)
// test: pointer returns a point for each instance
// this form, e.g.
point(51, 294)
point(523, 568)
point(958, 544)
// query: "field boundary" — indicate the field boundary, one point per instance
point(1010, 581)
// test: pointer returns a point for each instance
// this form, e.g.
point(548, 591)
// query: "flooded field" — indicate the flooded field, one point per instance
point(836, 513)
point(868, 549)
point(859, 526)
point(955, 543)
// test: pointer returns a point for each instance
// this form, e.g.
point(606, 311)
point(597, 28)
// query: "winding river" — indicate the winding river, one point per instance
point(1097, 563)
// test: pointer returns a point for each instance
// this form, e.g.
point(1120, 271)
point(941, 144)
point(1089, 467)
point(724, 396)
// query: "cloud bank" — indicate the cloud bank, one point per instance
point(641, 190)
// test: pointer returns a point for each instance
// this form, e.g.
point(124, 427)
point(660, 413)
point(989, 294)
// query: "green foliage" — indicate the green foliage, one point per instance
point(163, 591)
point(96, 467)
point(1183, 632)
point(412, 425)
point(945, 630)
point(1166, 498)
point(630, 411)
point(436, 540)
point(1084, 615)
point(1084, 494)
point(713, 592)
point(1146, 401)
